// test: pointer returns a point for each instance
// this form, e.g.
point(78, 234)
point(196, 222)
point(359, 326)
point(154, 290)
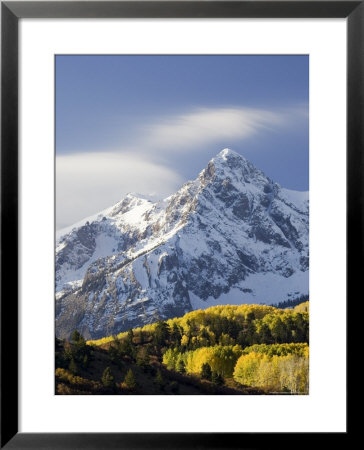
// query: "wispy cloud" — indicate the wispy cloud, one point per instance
point(89, 182)
point(206, 126)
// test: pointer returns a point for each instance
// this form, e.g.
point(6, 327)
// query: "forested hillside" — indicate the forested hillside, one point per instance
point(227, 349)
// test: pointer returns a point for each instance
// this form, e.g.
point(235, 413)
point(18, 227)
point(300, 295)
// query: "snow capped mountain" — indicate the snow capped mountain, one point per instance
point(231, 236)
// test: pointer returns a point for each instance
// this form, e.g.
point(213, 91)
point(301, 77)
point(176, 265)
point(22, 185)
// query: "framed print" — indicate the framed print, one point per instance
point(175, 193)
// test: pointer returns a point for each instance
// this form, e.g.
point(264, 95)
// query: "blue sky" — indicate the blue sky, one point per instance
point(148, 123)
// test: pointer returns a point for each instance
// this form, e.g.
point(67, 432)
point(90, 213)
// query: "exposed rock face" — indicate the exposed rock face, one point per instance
point(230, 236)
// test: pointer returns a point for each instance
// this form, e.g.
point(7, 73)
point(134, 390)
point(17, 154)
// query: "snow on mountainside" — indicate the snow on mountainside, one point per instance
point(231, 236)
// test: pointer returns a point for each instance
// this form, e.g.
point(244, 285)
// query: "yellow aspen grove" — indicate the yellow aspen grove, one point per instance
point(287, 373)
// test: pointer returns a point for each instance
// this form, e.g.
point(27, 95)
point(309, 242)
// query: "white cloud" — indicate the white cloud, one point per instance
point(89, 182)
point(206, 126)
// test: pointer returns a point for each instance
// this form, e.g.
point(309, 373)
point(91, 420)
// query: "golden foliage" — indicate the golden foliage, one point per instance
point(199, 319)
point(288, 373)
point(298, 349)
point(302, 307)
point(221, 359)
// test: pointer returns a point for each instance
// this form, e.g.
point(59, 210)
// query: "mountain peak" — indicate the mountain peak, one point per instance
point(231, 159)
point(231, 164)
point(227, 153)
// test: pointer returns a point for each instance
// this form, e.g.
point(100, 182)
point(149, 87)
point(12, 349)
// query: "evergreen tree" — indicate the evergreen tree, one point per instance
point(206, 372)
point(81, 343)
point(175, 334)
point(108, 379)
point(75, 336)
point(127, 347)
point(130, 381)
point(143, 359)
point(161, 333)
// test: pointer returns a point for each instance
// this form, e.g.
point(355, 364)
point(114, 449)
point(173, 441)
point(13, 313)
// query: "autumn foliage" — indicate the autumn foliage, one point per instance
point(226, 346)
point(275, 369)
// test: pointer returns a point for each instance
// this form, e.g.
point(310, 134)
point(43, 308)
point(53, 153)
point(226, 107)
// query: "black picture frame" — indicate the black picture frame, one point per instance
point(11, 12)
